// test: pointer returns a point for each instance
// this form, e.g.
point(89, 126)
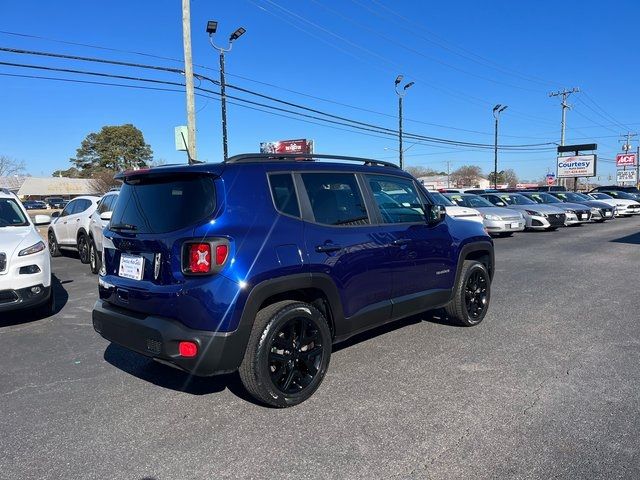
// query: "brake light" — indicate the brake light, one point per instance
point(200, 257)
point(221, 254)
point(188, 349)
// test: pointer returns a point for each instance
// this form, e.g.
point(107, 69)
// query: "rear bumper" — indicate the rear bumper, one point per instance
point(158, 337)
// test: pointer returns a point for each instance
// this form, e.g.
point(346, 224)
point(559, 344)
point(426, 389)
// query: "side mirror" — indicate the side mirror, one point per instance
point(42, 220)
point(106, 216)
point(55, 214)
point(435, 214)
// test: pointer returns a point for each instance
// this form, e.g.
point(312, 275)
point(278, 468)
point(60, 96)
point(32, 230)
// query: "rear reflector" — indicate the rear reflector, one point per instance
point(200, 257)
point(221, 254)
point(188, 349)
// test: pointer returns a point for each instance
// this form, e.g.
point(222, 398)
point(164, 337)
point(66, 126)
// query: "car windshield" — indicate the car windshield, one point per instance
point(516, 199)
point(571, 197)
point(11, 214)
point(471, 201)
point(541, 197)
point(440, 199)
point(619, 194)
point(602, 196)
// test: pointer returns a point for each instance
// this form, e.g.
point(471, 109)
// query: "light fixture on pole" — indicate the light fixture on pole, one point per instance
point(497, 110)
point(212, 27)
point(401, 93)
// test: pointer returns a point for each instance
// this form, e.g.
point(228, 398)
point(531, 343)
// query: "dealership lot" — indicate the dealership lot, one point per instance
point(546, 386)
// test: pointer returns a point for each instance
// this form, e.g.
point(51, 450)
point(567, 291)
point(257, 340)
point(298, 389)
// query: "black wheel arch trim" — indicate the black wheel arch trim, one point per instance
point(485, 247)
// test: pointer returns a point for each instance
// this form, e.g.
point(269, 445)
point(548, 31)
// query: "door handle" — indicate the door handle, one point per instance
point(401, 241)
point(328, 247)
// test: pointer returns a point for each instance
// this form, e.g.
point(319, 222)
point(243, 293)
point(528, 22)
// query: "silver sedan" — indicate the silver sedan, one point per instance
point(497, 220)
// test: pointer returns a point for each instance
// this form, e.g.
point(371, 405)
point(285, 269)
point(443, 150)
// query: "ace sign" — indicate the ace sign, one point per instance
point(626, 160)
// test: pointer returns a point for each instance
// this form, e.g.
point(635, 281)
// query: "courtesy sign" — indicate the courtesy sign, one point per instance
point(577, 166)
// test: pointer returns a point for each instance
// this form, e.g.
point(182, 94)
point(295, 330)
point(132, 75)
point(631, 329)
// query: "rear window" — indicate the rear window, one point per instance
point(162, 204)
point(284, 194)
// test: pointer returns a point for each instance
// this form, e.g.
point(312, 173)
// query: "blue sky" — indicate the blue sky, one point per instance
point(464, 57)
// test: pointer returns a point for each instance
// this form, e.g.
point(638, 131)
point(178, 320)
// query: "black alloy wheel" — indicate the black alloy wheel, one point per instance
point(475, 293)
point(83, 249)
point(287, 355)
point(295, 355)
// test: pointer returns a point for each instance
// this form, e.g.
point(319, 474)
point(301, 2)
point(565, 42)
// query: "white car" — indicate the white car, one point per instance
point(97, 223)
point(624, 207)
point(70, 229)
point(25, 266)
point(456, 211)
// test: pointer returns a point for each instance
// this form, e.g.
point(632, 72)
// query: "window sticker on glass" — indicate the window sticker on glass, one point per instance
point(176, 193)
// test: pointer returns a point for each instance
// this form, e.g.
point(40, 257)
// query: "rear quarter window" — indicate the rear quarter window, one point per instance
point(284, 194)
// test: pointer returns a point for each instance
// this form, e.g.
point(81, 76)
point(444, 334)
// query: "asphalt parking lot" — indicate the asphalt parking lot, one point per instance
point(548, 386)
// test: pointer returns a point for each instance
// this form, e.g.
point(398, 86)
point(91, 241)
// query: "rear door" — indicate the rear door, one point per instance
point(61, 227)
point(342, 242)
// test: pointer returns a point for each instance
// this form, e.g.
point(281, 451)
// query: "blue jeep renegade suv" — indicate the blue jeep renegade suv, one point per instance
point(261, 263)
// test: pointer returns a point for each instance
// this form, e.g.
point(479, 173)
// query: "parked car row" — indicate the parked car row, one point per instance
point(506, 212)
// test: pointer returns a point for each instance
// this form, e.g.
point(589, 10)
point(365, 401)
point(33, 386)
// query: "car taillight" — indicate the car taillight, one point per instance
point(205, 257)
point(221, 254)
point(200, 257)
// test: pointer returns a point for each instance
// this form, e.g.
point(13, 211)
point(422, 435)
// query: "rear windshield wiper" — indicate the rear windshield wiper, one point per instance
point(122, 226)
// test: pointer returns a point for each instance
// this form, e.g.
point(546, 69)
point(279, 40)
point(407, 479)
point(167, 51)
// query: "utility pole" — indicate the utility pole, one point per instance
point(401, 94)
point(212, 26)
point(448, 169)
point(564, 94)
point(188, 75)
point(497, 110)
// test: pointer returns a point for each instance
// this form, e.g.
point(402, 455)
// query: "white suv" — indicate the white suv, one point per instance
point(25, 266)
point(70, 229)
point(97, 223)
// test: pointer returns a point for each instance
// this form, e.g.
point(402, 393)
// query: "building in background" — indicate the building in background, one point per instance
point(39, 188)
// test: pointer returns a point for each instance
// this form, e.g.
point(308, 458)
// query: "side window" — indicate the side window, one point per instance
point(335, 198)
point(69, 209)
point(284, 194)
point(102, 205)
point(84, 205)
point(397, 199)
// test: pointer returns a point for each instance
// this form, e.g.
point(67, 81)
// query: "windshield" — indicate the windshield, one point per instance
point(516, 199)
point(602, 196)
point(160, 205)
point(571, 197)
point(440, 199)
point(471, 201)
point(11, 214)
point(541, 197)
point(618, 194)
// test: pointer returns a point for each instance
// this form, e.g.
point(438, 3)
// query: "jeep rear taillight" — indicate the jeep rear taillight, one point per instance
point(205, 256)
point(200, 257)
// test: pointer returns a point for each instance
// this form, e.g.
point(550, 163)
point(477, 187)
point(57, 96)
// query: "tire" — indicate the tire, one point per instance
point(275, 369)
point(466, 308)
point(552, 229)
point(94, 258)
point(54, 250)
point(83, 248)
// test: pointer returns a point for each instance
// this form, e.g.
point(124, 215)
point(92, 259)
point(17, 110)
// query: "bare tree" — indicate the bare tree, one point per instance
point(10, 166)
point(103, 181)
point(420, 171)
point(466, 176)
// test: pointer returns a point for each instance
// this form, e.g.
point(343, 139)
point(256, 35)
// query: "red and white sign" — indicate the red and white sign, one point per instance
point(287, 146)
point(626, 160)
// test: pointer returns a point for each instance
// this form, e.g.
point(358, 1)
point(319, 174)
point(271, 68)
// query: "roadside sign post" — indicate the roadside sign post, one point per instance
point(577, 165)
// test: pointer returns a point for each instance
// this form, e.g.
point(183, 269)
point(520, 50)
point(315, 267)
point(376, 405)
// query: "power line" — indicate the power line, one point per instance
point(173, 70)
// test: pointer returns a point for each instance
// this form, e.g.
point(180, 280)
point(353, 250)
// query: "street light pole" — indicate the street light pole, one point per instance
point(497, 110)
point(212, 26)
point(401, 94)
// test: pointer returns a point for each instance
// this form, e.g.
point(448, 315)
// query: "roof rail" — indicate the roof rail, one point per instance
point(253, 157)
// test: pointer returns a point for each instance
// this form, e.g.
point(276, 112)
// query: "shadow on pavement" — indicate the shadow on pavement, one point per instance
point(30, 315)
point(633, 239)
point(171, 378)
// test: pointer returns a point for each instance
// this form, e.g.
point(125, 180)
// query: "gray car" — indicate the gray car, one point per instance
point(576, 214)
point(498, 221)
point(537, 216)
point(600, 211)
